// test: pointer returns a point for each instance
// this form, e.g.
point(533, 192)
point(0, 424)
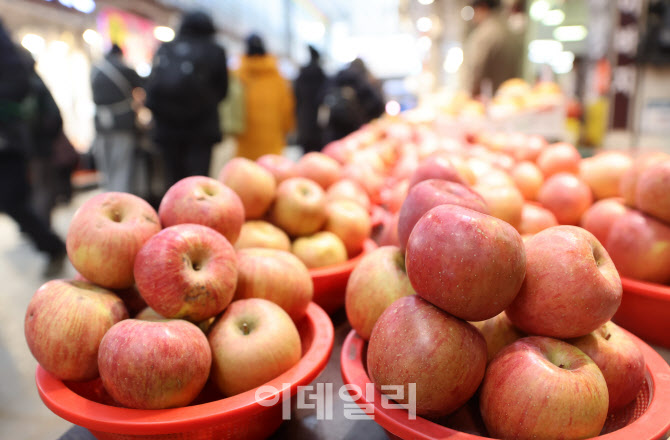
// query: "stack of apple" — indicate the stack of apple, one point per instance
point(542, 359)
point(309, 208)
point(213, 313)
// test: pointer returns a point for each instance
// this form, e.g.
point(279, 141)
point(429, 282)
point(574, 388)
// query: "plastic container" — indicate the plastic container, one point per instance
point(330, 282)
point(237, 417)
point(645, 311)
point(646, 418)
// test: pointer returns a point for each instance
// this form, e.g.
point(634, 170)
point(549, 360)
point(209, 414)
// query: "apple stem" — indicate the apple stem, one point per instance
point(608, 336)
point(561, 366)
point(245, 328)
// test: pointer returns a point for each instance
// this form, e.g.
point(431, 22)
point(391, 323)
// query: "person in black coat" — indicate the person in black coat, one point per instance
point(308, 88)
point(188, 81)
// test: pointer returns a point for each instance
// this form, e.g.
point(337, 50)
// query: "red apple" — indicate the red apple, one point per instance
point(414, 342)
point(387, 234)
point(252, 343)
point(640, 247)
point(628, 183)
point(300, 208)
point(430, 193)
point(436, 167)
point(466, 263)
point(652, 195)
point(541, 387)
point(571, 286)
point(349, 190)
point(394, 195)
point(187, 271)
point(531, 148)
point(106, 233)
point(499, 332)
point(154, 364)
point(375, 283)
point(259, 233)
point(64, 324)
point(350, 222)
point(619, 359)
point(205, 201)
point(600, 217)
point(255, 185)
point(504, 201)
point(277, 276)
point(319, 250)
point(281, 167)
point(320, 168)
point(559, 158)
point(528, 178)
point(535, 218)
point(603, 172)
point(566, 196)
point(367, 177)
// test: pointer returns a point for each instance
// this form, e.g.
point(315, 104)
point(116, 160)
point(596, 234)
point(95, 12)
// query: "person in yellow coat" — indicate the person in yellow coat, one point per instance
point(269, 103)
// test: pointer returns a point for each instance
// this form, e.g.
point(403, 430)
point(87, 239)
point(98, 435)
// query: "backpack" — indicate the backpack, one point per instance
point(343, 109)
point(178, 90)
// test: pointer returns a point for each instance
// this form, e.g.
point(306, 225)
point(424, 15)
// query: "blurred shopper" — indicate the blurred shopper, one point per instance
point(308, 87)
point(352, 98)
point(269, 103)
point(116, 143)
point(188, 81)
point(15, 150)
point(492, 52)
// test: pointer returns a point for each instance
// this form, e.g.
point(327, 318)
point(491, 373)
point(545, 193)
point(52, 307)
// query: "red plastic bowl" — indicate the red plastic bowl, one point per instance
point(237, 417)
point(646, 418)
point(645, 311)
point(330, 282)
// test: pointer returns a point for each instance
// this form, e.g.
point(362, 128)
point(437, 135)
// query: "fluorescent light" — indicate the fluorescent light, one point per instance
point(543, 51)
point(426, 2)
point(553, 18)
point(570, 33)
point(453, 60)
point(163, 33)
point(539, 9)
point(85, 6)
point(92, 38)
point(424, 24)
point(467, 13)
point(562, 63)
point(34, 43)
point(393, 108)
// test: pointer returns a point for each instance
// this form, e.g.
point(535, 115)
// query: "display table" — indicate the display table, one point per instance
point(304, 423)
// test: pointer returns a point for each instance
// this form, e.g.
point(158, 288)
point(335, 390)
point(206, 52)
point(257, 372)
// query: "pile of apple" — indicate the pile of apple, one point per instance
point(201, 309)
point(309, 207)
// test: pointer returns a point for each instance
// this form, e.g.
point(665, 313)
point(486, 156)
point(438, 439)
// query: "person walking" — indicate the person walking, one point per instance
point(188, 81)
point(269, 103)
point(308, 87)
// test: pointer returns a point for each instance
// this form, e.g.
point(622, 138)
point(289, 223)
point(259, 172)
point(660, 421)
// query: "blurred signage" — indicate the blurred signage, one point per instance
point(134, 34)
point(625, 41)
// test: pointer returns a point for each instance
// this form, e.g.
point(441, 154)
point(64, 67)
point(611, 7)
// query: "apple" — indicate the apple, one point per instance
point(466, 263)
point(187, 271)
point(571, 286)
point(414, 342)
point(349, 190)
point(374, 284)
point(320, 168)
point(387, 233)
point(106, 233)
point(531, 148)
point(566, 196)
point(504, 201)
point(640, 247)
point(528, 178)
point(300, 207)
point(277, 276)
point(259, 233)
point(131, 299)
point(394, 195)
point(430, 193)
point(154, 364)
point(560, 157)
point(628, 182)
point(463, 169)
point(499, 332)
point(255, 185)
point(600, 216)
point(540, 387)
point(149, 314)
point(64, 324)
point(651, 193)
point(281, 167)
point(252, 343)
point(437, 166)
point(619, 359)
point(367, 177)
point(205, 201)
point(603, 172)
point(350, 222)
point(535, 218)
point(319, 250)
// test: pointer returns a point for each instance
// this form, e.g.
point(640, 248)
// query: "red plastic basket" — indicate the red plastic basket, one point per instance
point(237, 417)
point(330, 282)
point(647, 418)
point(645, 311)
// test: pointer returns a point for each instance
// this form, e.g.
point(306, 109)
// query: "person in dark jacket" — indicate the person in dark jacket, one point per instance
point(189, 79)
point(308, 87)
point(15, 149)
point(116, 143)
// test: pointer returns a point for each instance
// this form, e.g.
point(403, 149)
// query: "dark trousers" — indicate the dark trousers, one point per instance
point(182, 160)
